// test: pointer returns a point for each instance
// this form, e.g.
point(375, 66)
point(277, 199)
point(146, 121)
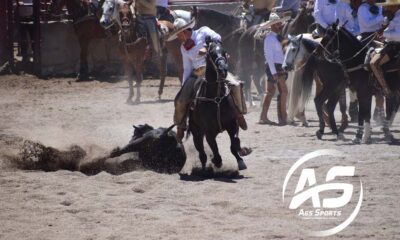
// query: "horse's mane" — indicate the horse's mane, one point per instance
point(351, 37)
point(224, 20)
point(309, 44)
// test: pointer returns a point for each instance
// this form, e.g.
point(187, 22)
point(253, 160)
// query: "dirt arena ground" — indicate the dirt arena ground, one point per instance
point(148, 205)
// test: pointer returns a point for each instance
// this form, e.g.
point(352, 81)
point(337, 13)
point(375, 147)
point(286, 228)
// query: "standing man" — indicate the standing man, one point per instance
point(276, 76)
point(392, 43)
point(325, 14)
point(262, 10)
point(194, 67)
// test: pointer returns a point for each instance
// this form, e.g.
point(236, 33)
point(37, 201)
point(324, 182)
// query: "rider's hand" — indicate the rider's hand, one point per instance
point(202, 51)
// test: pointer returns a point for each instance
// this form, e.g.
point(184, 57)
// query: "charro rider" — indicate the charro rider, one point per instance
point(163, 13)
point(276, 76)
point(194, 64)
point(262, 9)
point(392, 43)
point(325, 14)
point(147, 23)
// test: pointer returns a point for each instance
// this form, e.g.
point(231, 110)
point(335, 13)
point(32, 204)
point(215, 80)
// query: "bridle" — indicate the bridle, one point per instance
point(221, 81)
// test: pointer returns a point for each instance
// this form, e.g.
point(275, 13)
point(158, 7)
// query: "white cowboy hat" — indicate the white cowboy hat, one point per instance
point(273, 19)
point(389, 3)
point(180, 25)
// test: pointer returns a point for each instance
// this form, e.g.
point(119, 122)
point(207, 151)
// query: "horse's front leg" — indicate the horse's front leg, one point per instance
point(162, 66)
point(319, 101)
point(343, 107)
point(128, 74)
point(364, 116)
point(332, 101)
point(139, 67)
point(233, 131)
point(198, 138)
point(217, 160)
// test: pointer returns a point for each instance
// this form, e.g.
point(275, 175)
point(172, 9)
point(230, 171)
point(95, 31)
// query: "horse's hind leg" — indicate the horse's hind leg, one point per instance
point(233, 131)
point(217, 160)
point(390, 110)
point(139, 78)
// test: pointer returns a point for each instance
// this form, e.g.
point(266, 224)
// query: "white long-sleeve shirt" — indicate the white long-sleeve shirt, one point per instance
point(191, 58)
point(392, 32)
point(325, 12)
point(273, 51)
point(346, 18)
point(369, 22)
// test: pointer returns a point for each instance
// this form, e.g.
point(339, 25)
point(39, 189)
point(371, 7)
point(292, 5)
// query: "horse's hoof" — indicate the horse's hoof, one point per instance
point(340, 137)
point(241, 165)
point(319, 134)
point(366, 139)
point(356, 140)
point(305, 124)
point(129, 102)
point(389, 138)
point(217, 162)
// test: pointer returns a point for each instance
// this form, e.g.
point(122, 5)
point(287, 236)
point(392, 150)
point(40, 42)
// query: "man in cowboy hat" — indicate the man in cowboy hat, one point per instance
point(347, 15)
point(194, 67)
point(325, 14)
point(262, 9)
point(392, 39)
point(276, 76)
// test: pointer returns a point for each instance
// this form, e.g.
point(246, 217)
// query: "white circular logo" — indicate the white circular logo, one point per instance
point(308, 188)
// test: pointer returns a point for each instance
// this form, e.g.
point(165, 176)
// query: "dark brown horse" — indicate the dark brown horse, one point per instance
point(86, 28)
point(214, 110)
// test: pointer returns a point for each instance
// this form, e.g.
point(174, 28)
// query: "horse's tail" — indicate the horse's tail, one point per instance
point(300, 85)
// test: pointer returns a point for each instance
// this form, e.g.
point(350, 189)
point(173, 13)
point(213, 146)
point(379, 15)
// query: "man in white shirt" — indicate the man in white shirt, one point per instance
point(194, 66)
point(392, 47)
point(370, 18)
point(347, 15)
point(325, 14)
point(276, 76)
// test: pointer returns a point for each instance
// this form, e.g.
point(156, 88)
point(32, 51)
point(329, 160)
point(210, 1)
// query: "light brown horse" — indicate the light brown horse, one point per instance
point(133, 47)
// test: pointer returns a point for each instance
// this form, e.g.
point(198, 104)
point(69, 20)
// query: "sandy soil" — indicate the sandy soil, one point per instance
point(148, 205)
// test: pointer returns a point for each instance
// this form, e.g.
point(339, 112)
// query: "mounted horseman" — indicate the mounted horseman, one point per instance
point(193, 50)
point(261, 10)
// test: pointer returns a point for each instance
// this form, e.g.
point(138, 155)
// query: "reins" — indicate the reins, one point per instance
point(218, 99)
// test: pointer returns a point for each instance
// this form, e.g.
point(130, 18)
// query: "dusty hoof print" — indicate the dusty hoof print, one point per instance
point(138, 190)
point(66, 203)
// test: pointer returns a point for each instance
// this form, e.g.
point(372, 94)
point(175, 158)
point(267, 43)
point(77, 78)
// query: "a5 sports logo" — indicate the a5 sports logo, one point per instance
point(308, 190)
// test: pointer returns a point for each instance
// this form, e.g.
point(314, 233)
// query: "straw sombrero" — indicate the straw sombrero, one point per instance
point(180, 25)
point(389, 3)
point(273, 19)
